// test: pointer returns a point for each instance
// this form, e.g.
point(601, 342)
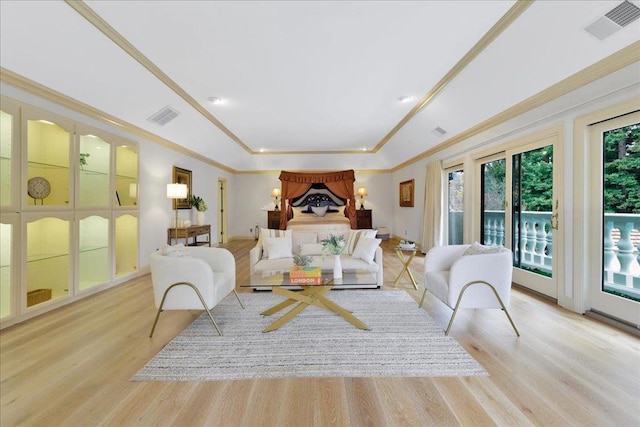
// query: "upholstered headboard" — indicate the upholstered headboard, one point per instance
point(318, 195)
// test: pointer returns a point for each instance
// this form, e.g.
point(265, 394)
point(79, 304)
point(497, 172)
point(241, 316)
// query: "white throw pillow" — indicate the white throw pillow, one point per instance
point(278, 247)
point(366, 249)
point(319, 210)
point(266, 232)
point(300, 237)
point(352, 237)
point(311, 249)
point(478, 249)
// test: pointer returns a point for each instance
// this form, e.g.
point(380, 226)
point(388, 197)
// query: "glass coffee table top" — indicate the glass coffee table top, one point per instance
point(277, 278)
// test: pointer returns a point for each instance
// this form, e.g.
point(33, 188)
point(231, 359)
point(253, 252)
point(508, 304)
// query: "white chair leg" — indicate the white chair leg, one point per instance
point(164, 296)
point(464, 288)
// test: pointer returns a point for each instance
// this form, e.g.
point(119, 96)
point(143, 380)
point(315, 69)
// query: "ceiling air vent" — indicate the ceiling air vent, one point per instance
point(614, 20)
point(438, 131)
point(164, 116)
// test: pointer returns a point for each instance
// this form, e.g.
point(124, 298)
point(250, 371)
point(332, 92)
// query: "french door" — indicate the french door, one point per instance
point(614, 217)
point(519, 210)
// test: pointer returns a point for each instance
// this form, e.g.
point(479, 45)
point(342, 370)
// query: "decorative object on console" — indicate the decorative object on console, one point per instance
point(275, 193)
point(362, 192)
point(38, 188)
point(406, 193)
point(176, 192)
point(201, 208)
point(334, 245)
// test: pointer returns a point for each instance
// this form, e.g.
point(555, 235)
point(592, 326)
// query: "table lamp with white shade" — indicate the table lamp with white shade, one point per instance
point(275, 193)
point(362, 192)
point(177, 191)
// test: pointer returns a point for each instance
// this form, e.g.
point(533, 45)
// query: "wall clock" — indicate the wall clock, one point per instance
point(38, 188)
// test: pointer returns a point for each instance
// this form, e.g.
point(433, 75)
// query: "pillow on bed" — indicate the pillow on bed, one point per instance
point(278, 247)
point(319, 210)
point(366, 249)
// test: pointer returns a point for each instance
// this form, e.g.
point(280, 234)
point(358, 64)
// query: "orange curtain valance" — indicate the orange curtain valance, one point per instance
point(319, 177)
point(295, 184)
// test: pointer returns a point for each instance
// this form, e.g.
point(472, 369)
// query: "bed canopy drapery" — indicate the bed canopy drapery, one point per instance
point(295, 184)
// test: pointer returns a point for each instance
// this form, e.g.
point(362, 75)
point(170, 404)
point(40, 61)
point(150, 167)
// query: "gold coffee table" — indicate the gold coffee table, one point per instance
point(309, 295)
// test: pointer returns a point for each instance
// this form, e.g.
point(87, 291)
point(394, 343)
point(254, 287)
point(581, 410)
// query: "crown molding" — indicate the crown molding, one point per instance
point(602, 68)
point(21, 82)
point(90, 15)
point(503, 23)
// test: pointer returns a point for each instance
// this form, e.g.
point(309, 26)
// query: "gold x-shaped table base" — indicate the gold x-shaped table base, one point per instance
point(405, 266)
point(310, 295)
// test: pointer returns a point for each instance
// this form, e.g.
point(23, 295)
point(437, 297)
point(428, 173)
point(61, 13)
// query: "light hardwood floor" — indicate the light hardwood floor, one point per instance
point(71, 367)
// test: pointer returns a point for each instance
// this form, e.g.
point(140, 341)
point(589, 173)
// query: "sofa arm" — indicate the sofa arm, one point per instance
point(379, 261)
point(254, 256)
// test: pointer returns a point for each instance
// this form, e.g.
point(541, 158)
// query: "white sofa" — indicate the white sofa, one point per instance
point(309, 243)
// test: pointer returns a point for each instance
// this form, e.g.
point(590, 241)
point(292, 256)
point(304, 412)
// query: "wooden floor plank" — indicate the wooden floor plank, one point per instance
point(73, 366)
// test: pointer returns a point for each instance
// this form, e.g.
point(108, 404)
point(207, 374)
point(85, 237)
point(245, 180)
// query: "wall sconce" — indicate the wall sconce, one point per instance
point(276, 195)
point(362, 192)
point(177, 191)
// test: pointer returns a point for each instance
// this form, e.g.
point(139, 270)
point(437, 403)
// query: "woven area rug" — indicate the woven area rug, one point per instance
point(403, 342)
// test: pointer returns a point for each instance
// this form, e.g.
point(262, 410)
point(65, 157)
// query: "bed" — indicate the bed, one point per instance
point(305, 196)
point(319, 210)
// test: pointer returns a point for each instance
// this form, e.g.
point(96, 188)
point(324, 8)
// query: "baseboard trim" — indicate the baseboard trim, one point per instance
point(614, 321)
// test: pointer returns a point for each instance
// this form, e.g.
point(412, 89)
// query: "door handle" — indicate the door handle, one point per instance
point(554, 221)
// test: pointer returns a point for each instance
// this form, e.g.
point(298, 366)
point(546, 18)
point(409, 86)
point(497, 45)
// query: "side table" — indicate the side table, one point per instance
point(406, 262)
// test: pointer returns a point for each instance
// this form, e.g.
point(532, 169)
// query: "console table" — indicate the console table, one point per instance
point(192, 232)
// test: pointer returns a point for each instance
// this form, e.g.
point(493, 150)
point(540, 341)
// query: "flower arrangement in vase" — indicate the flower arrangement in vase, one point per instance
point(334, 245)
point(201, 207)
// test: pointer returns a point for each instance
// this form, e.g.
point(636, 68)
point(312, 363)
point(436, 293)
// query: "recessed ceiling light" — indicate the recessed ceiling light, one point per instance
point(364, 149)
point(406, 98)
point(214, 100)
point(261, 150)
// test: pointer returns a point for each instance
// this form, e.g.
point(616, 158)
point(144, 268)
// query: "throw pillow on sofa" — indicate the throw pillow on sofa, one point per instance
point(278, 247)
point(366, 249)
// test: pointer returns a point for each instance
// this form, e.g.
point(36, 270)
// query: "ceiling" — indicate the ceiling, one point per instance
point(307, 85)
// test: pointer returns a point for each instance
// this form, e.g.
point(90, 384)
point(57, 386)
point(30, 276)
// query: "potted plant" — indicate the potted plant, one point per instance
point(201, 207)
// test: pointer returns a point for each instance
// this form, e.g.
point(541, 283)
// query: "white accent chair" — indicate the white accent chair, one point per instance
point(483, 279)
point(198, 279)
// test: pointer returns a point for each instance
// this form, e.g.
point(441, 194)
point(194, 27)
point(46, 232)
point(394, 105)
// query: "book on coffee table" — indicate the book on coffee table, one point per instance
point(305, 275)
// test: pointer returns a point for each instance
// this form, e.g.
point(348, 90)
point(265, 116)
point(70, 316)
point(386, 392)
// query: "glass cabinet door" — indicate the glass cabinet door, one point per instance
point(7, 133)
point(47, 259)
point(7, 291)
point(94, 159)
point(47, 163)
point(93, 250)
point(126, 244)
point(126, 176)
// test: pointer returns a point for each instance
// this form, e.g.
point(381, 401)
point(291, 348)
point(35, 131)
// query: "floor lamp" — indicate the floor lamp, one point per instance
point(176, 191)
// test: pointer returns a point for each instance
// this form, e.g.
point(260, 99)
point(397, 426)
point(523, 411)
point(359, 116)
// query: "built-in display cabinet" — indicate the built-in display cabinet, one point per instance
point(68, 198)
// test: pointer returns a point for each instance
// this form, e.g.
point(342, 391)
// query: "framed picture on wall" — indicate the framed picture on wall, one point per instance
point(406, 193)
point(182, 176)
